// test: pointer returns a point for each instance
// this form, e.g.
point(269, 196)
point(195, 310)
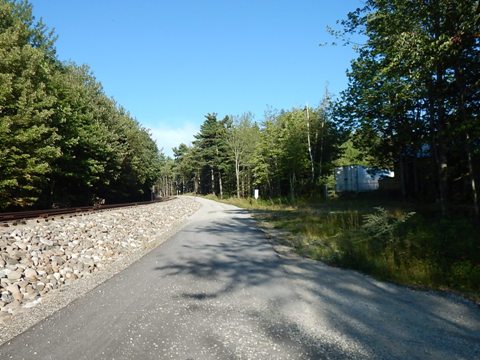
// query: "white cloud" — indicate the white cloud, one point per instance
point(169, 137)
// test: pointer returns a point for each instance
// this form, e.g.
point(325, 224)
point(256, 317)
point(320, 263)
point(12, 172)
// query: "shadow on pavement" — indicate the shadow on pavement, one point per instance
point(316, 308)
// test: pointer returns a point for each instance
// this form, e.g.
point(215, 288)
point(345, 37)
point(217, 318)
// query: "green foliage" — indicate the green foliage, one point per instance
point(62, 140)
point(351, 155)
point(28, 137)
point(465, 275)
point(184, 168)
point(210, 150)
point(284, 163)
point(413, 86)
point(290, 154)
point(391, 242)
point(242, 136)
point(383, 228)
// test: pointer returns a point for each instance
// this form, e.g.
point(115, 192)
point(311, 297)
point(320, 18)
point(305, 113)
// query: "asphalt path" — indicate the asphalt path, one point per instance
point(218, 290)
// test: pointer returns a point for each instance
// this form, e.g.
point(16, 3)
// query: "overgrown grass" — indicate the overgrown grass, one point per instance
point(404, 243)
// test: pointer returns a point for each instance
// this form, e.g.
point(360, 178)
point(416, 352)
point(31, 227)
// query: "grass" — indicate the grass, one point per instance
point(405, 243)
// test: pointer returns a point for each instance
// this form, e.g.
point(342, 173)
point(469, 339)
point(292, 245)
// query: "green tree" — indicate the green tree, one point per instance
point(209, 149)
point(296, 150)
point(266, 159)
point(241, 140)
point(414, 84)
point(141, 161)
point(350, 155)
point(166, 183)
point(61, 138)
point(91, 151)
point(28, 138)
point(184, 168)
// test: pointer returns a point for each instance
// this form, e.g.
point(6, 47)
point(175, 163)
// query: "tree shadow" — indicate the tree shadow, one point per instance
point(366, 318)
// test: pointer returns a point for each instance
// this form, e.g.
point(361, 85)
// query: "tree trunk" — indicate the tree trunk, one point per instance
point(196, 183)
point(320, 158)
point(471, 170)
point(443, 177)
point(416, 188)
point(237, 175)
point(292, 187)
point(468, 147)
point(270, 188)
point(278, 185)
point(220, 185)
point(243, 186)
point(249, 183)
point(213, 181)
point(435, 86)
point(438, 145)
point(312, 164)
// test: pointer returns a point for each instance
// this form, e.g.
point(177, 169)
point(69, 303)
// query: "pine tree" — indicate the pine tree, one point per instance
point(28, 138)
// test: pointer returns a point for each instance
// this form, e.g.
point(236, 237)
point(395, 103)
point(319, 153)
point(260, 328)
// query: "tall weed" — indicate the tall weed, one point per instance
point(392, 243)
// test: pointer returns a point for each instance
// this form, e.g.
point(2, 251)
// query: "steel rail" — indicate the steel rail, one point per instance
point(46, 213)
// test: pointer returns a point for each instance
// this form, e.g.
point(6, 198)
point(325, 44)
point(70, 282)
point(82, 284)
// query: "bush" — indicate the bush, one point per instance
point(383, 231)
point(419, 248)
point(465, 275)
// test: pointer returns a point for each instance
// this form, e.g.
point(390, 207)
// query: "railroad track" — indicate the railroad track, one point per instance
point(49, 213)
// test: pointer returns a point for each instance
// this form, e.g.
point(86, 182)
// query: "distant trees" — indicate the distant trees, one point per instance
point(62, 140)
point(234, 155)
point(414, 90)
point(209, 150)
point(297, 150)
point(242, 136)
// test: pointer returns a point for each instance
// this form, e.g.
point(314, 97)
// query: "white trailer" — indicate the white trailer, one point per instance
point(357, 178)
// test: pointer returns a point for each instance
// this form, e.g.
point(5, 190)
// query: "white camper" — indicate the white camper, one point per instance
point(357, 178)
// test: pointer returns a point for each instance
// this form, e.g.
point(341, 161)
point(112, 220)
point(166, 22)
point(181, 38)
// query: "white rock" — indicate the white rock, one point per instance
point(6, 297)
point(12, 308)
point(30, 274)
point(33, 303)
point(14, 275)
point(35, 260)
point(46, 241)
point(15, 291)
point(40, 285)
point(4, 273)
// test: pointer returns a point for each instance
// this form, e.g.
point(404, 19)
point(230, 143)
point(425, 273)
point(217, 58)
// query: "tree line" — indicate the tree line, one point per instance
point(412, 105)
point(290, 153)
point(63, 141)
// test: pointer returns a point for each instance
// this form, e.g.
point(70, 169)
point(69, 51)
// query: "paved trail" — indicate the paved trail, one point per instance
point(217, 290)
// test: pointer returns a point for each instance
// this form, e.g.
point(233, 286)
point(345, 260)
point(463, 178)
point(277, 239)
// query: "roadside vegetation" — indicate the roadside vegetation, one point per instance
point(391, 240)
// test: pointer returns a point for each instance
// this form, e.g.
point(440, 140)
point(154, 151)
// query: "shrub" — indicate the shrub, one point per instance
point(465, 275)
point(383, 231)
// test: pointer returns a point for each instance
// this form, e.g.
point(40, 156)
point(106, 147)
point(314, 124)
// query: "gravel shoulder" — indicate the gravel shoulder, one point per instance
point(155, 222)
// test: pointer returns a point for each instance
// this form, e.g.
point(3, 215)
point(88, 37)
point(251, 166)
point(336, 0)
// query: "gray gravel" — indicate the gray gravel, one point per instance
point(217, 290)
point(114, 238)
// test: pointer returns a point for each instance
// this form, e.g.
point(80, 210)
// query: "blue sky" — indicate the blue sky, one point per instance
point(171, 62)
